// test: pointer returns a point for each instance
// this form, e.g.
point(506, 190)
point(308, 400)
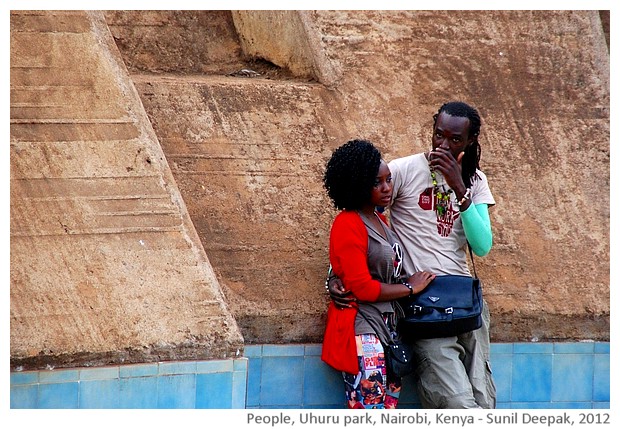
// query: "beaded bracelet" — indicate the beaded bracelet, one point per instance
point(330, 275)
point(408, 287)
point(465, 198)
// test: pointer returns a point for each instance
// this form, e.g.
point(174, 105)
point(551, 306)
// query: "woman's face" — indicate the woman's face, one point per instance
point(381, 194)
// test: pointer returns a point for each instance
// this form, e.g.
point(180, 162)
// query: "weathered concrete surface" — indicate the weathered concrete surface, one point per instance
point(288, 39)
point(106, 265)
point(254, 193)
point(89, 181)
point(248, 154)
point(182, 42)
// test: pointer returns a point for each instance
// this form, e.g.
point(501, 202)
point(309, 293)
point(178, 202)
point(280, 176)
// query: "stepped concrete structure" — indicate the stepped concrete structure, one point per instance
point(166, 194)
point(106, 265)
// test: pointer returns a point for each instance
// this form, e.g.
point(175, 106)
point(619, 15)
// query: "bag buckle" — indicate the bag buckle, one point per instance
point(449, 310)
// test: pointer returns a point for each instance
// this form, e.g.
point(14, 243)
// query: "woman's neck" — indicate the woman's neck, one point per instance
point(368, 210)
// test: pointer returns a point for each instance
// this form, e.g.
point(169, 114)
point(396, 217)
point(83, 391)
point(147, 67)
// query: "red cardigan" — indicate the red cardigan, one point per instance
point(348, 255)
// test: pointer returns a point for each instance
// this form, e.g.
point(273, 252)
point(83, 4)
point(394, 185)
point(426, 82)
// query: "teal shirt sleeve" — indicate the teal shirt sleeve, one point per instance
point(477, 226)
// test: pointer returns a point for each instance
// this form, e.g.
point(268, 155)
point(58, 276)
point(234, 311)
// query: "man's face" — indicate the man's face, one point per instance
point(451, 133)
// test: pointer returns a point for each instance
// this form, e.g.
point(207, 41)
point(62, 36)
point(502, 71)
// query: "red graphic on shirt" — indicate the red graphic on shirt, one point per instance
point(445, 222)
point(426, 200)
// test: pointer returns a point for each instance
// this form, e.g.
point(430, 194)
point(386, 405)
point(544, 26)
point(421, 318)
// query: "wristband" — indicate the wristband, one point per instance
point(465, 198)
point(408, 287)
point(327, 281)
point(330, 275)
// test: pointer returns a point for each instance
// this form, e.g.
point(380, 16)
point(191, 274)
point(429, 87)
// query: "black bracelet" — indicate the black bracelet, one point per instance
point(408, 287)
point(332, 276)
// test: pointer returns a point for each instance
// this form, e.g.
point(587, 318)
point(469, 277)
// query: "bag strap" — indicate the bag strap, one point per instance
point(473, 263)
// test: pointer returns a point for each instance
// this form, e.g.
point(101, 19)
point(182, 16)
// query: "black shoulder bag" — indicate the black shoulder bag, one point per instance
point(450, 305)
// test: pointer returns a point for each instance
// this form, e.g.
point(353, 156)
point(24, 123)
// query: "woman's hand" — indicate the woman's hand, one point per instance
point(342, 298)
point(420, 280)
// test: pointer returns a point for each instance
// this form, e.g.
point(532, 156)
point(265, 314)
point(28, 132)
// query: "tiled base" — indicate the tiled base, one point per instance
point(527, 375)
point(165, 385)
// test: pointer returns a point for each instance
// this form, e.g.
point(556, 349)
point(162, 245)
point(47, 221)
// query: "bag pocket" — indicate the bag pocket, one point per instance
point(399, 358)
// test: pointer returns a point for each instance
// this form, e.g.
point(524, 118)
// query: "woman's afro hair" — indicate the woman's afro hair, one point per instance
point(350, 174)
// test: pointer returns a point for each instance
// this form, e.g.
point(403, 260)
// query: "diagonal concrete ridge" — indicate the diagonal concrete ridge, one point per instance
point(246, 150)
point(106, 265)
point(246, 154)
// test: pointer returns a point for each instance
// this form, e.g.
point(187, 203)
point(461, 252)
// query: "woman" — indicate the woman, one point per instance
point(366, 254)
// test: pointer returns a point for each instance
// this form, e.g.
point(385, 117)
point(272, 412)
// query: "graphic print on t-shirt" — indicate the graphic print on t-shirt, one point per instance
point(397, 261)
point(428, 201)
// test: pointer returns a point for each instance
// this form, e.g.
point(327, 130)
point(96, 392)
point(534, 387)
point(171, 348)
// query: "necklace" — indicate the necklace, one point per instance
point(442, 196)
point(374, 220)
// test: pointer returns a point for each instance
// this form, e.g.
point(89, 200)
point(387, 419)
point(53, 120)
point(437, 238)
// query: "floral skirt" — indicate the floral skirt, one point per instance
point(372, 386)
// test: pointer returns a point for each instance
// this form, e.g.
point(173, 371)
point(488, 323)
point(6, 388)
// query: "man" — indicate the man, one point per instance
point(440, 203)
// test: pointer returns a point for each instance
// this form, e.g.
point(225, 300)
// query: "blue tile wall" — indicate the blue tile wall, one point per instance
point(531, 377)
point(254, 376)
point(281, 381)
point(24, 396)
point(214, 390)
point(501, 366)
point(138, 392)
point(58, 395)
point(322, 385)
point(99, 394)
point(165, 385)
point(527, 375)
point(601, 387)
point(573, 375)
point(176, 391)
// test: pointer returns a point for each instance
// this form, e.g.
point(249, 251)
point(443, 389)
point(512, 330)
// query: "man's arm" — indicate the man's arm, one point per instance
point(342, 298)
point(477, 226)
point(413, 284)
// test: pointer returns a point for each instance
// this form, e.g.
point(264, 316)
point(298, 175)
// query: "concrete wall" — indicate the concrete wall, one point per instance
point(244, 154)
point(248, 152)
point(288, 39)
point(106, 265)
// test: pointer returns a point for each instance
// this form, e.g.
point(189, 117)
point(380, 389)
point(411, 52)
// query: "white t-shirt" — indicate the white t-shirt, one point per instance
point(432, 243)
